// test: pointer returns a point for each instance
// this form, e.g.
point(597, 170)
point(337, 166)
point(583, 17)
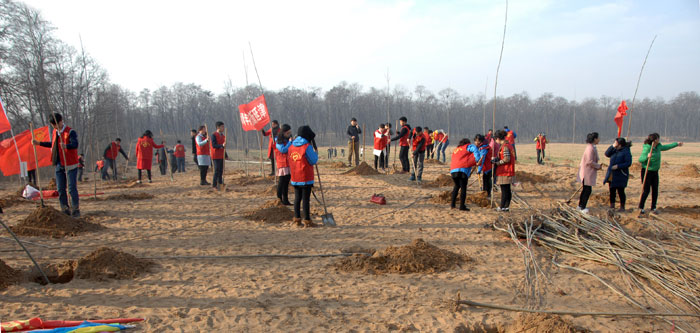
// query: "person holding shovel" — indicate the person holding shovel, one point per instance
point(218, 153)
point(110, 155)
point(461, 164)
point(302, 158)
point(618, 170)
point(64, 156)
point(144, 154)
point(588, 170)
point(651, 163)
point(403, 135)
point(283, 171)
point(354, 132)
point(540, 144)
point(419, 144)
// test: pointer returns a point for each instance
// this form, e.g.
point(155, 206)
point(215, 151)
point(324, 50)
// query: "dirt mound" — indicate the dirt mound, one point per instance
point(250, 180)
point(363, 169)
point(130, 196)
point(271, 212)
point(418, 257)
point(107, 263)
point(537, 323)
point(13, 200)
point(689, 189)
point(441, 180)
point(47, 221)
point(338, 165)
point(433, 161)
point(8, 275)
point(527, 177)
point(690, 170)
point(442, 198)
point(56, 273)
point(480, 199)
point(601, 199)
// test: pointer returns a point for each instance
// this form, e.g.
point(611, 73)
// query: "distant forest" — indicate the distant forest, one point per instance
point(40, 74)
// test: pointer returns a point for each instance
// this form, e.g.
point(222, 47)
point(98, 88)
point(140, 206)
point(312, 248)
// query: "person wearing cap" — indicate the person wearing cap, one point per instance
point(272, 133)
point(110, 155)
point(354, 132)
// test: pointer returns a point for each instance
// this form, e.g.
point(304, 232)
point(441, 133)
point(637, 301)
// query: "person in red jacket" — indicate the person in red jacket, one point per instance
point(380, 144)
point(302, 158)
point(64, 156)
point(144, 154)
point(283, 171)
point(110, 155)
point(541, 143)
point(218, 153)
point(403, 134)
point(505, 169)
point(461, 164)
point(180, 156)
point(419, 143)
point(272, 133)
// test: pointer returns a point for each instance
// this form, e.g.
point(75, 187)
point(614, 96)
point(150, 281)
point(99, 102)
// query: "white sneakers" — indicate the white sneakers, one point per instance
point(583, 210)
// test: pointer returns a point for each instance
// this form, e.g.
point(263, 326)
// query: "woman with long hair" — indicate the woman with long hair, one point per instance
point(588, 170)
point(144, 154)
point(282, 144)
point(504, 160)
point(618, 170)
point(651, 157)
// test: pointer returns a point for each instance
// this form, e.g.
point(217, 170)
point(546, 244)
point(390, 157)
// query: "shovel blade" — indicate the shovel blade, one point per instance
point(328, 220)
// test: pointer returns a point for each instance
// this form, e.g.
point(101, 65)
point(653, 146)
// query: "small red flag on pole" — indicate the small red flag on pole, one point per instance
point(620, 116)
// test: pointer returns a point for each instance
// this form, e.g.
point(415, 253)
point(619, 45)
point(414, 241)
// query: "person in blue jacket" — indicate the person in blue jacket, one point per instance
point(618, 170)
point(302, 157)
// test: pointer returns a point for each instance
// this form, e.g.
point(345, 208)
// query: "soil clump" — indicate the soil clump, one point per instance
point(363, 169)
point(47, 221)
point(273, 212)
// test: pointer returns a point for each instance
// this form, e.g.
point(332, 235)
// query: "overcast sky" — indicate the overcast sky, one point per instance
point(586, 48)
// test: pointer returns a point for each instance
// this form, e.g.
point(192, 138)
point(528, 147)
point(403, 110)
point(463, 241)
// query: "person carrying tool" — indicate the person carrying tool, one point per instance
point(283, 171)
point(354, 132)
point(380, 144)
point(651, 157)
point(218, 153)
point(203, 158)
point(64, 156)
point(419, 144)
point(505, 169)
point(302, 158)
point(272, 133)
point(110, 155)
point(443, 141)
point(461, 164)
point(180, 156)
point(144, 154)
point(541, 143)
point(403, 135)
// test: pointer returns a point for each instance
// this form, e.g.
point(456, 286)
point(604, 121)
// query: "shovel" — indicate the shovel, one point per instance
point(327, 218)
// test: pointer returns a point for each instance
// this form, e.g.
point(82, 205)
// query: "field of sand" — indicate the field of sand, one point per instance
point(226, 294)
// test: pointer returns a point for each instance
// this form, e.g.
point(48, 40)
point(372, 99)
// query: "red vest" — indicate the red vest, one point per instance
point(218, 153)
point(299, 167)
point(403, 141)
point(427, 138)
point(462, 158)
point(179, 150)
point(438, 137)
point(202, 149)
point(486, 165)
point(507, 169)
point(510, 137)
point(418, 139)
point(100, 164)
point(379, 143)
point(71, 155)
point(113, 151)
point(282, 159)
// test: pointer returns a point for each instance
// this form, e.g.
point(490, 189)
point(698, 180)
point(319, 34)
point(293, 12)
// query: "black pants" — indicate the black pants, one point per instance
point(386, 157)
point(203, 169)
point(283, 188)
point(651, 184)
point(195, 157)
point(487, 184)
point(31, 176)
point(614, 191)
point(585, 194)
point(272, 161)
point(540, 156)
point(403, 157)
point(506, 195)
point(163, 167)
point(460, 180)
point(148, 172)
point(302, 196)
point(80, 174)
point(218, 172)
point(379, 160)
point(429, 151)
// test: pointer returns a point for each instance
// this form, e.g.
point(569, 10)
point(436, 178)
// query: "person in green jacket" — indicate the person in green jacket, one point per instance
point(652, 158)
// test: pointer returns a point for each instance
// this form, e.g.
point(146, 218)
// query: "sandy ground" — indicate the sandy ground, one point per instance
point(188, 295)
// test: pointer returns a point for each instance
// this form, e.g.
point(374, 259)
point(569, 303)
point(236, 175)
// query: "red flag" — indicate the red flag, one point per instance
point(254, 115)
point(620, 116)
point(4, 121)
point(8, 154)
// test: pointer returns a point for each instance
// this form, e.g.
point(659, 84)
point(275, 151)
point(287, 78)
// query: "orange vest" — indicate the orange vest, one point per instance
point(100, 164)
point(202, 149)
point(300, 169)
point(462, 158)
point(507, 169)
point(218, 153)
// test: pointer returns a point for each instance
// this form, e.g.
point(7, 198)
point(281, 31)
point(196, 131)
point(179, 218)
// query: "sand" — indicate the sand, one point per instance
point(271, 212)
point(690, 170)
point(310, 294)
point(47, 221)
point(106, 263)
point(8, 275)
point(362, 169)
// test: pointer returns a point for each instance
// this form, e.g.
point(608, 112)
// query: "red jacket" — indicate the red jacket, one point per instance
point(144, 152)
point(218, 153)
point(507, 169)
point(179, 150)
point(462, 158)
point(271, 142)
point(300, 168)
point(439, 137)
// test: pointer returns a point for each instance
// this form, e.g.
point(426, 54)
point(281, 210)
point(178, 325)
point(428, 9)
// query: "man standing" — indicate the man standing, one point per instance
point(110, 155)
point(180, 156)
point(162, 156)
point(64, 156)
point(272, 133)
point(419, 144)
point(193, 133)
point(402, 135)
point(354, 132)
point(541, 144)
point(218, 145)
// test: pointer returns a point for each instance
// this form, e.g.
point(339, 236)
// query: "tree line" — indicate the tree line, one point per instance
point(40, 74)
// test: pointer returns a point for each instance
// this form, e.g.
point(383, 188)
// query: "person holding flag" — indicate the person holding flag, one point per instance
point(110, 156)
point(64, 156)
point(144, 154)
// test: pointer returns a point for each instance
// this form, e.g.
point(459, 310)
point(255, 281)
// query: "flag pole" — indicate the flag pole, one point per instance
point(36, 163)
point(19, 158)
point(495, 96)
point(629, 120)
point(262, 92)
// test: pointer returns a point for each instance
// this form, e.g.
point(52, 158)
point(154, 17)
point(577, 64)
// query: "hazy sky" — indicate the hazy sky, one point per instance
point(586, 47)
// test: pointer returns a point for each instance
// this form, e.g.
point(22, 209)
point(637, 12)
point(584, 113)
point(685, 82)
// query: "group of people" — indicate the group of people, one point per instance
point(617, 173)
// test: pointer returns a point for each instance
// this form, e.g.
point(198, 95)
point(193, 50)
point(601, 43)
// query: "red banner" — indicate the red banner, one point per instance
point(4, 122)
point(254, 115)
point(620, 117)
point(8, 154)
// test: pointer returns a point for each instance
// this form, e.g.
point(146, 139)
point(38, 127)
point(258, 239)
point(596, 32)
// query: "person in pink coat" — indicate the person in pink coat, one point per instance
point(588, 170)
